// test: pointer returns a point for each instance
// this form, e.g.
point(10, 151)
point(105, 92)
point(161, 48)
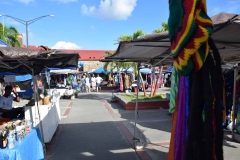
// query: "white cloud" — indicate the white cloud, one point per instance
point(230, 6)
point(25, 1)
point(65, 45)
point(111, 9)
point(65, 1)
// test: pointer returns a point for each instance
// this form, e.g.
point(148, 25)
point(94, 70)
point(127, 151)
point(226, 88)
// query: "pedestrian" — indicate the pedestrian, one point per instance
point(87, 84)
point(83, 80)
point(93, 81)
point(99, 81)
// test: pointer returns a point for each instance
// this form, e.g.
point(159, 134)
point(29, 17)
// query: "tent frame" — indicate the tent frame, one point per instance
point(162, 57)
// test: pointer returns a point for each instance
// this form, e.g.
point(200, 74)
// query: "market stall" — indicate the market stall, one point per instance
point(154, 49)
point(22, 61)
point(60, 79)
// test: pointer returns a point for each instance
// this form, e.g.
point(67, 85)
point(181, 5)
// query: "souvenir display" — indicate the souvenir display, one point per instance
point(13, 132)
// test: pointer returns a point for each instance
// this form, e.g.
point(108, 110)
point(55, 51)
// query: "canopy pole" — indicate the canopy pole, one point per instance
point(136, 140)
point(234, 102)
point(36, 106)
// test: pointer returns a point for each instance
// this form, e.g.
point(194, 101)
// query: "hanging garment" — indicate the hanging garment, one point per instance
point(173, 132)
point(174, 90)
point(189, 29)
point(180, 133)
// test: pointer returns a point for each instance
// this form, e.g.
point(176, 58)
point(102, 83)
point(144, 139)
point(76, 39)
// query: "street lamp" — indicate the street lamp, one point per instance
point(26, 23)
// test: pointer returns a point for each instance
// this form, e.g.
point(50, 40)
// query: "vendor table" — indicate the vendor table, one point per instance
point(29, 149)
point(50, 118)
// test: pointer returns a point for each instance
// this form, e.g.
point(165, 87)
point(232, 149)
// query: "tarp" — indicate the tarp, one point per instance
point(80, 64)
point(17, 78)
point(169, 70)
point(3, 44)
point(53, 69)
point(115, 70)
point(100, 70)
point(128, 70)
point(22, 60)
point(154, 49)
point(61, 71)
point(146, 71)
point(21, 78)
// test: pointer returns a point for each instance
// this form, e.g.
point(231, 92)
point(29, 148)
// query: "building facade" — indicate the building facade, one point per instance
point(89, 58)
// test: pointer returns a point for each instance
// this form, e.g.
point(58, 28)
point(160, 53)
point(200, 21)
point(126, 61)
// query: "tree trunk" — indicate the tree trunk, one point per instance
point(156, 86)
point(143, 86)
point(153, 84)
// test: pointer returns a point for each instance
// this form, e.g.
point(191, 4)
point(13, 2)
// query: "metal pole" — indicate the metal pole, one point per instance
point(234, 101)
point(136, 110)
point(36, 106)
point(27, 33)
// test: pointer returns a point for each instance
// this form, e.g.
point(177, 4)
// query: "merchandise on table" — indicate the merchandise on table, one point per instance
point(13, 132)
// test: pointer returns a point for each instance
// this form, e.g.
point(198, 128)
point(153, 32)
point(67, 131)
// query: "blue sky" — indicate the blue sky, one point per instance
point(93, 24)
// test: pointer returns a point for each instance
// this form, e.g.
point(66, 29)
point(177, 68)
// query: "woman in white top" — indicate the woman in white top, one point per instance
point(93, 79)
point(99, 81)
point(87, 84)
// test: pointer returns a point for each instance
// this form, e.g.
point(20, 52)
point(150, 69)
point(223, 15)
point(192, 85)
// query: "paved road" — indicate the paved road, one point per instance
point(93, 128)
point(90, 132)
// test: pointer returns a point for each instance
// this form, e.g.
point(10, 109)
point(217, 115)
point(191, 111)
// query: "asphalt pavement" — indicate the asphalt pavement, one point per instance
point(93, 128)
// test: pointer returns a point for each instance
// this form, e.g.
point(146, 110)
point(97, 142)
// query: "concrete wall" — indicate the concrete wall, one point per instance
point(89, 66)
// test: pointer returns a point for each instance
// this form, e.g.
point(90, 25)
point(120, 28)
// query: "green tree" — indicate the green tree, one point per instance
point(10, 35)
point(163, 28)
point(109, 64)
point(125, 65)
point(126, 37)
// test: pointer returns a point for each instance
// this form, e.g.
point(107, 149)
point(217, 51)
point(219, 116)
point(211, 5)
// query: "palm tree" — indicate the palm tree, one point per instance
point(107, 64)
point(10, 35)
point(162, 29)
point(126, 37)
point(154, 87)
point(125, 65)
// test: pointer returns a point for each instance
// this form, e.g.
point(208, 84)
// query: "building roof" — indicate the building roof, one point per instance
point(86, 55)
point(90, 55)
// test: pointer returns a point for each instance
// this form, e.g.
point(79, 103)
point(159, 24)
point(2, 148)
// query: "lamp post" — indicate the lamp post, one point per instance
point(26, 23)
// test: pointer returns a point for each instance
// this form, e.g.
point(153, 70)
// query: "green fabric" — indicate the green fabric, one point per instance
point(174, 90)
point(176, 12)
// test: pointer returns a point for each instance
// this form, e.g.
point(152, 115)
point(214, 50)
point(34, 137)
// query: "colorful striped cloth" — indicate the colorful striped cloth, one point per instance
point(189, 29)
point(174, 90)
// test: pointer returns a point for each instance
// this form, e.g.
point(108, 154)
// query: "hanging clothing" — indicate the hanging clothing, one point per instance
point(174, 90)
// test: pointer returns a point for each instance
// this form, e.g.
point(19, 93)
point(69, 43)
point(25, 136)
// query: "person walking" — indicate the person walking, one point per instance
point(83, 80)
point(87, 84)
point(93, 81)
point(99, 81)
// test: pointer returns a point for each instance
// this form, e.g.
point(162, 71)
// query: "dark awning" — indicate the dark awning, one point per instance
point(22, 60)
point(155, 48)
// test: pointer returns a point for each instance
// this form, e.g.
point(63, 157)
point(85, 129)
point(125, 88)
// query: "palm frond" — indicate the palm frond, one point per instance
point(10, 35)
point(138, 34)
point(163, 28)
point(125, 38)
